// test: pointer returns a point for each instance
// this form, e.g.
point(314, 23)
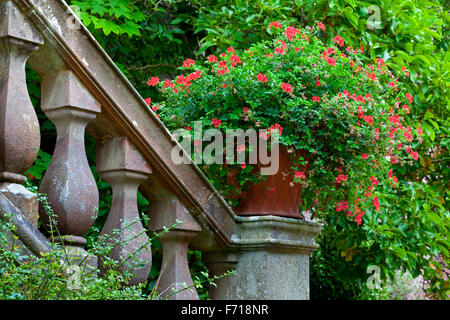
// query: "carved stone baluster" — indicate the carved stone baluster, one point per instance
point(19, 126)
point(68, 182)
point(124, 168)
point(174, 275)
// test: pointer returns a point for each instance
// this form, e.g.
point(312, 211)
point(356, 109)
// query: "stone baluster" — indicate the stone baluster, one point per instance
point(124, 168)
point(174, 275)
point(68, 182)
point(19, 126)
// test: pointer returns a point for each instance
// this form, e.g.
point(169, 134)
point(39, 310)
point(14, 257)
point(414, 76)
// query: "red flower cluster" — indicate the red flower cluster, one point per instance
point(216, 122)
point(331, 61)
point(376, 203)
point(341, 177)
point(153, 81)
point(371, 75)
point(341, 206)
point(188, 62)
point(235, 60)
point(409, 97)
point(290, 32)
point(286, 87)
point(300, 174)
point(186, 81)
point(339, 41)
point(275, 127)
point(275, 24)
point(212, 58)
point(374, 181)
point(261, 77)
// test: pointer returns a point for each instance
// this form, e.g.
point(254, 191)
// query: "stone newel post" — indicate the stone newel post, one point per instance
point(271, 259)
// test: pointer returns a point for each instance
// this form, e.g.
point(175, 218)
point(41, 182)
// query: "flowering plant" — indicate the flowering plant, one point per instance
point(340, 116)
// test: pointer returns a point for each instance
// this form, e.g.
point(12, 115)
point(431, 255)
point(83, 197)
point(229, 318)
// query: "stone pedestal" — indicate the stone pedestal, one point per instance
point(271, 258)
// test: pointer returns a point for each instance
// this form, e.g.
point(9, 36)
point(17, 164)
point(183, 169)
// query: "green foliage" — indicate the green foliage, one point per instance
point(111, 16)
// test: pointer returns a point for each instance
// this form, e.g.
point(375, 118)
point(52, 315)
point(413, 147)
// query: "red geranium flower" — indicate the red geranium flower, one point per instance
point(286, 87)
point(331, 61)
point(275, 24)
point(376, 204)
point(213, 58)
point(261, 77)
point(339, 41)
point(188, 62)
point(216, 122)
point(409, 97)
point(153, 81)
point(300, 174)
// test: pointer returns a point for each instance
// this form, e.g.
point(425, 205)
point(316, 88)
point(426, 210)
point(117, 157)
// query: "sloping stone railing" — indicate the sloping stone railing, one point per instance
point(82, 89)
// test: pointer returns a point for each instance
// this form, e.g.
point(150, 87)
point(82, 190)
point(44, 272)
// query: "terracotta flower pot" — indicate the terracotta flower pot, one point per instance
point(277, 195)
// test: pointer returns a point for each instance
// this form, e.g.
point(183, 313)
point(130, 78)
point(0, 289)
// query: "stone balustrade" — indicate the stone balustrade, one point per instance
point(83, 90)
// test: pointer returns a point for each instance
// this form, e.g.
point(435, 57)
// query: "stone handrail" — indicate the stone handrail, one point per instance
point(82, 89)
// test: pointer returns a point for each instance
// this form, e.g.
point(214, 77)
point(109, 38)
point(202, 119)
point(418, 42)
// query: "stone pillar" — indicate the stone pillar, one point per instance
point(271, 258)
point(19, 126)
point(174, 275)
point(68, 183)
point(124, 168)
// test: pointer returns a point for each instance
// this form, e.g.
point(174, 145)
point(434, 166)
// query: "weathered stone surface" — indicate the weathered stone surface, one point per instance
point(122, 166)
point(26, 201)
point(65, 90)
point(68, 182)
point(271, 259)
point(19, 126)
point(174, 276)
point(14, 24)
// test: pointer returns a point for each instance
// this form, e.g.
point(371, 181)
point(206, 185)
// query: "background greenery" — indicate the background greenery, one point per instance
point(152, 38)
